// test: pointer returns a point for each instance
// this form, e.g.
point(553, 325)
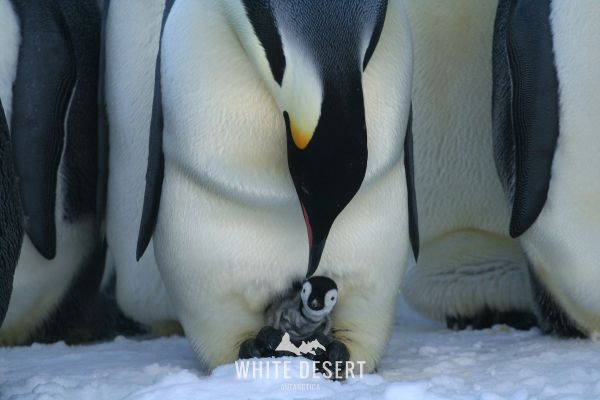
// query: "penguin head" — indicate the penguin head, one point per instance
point(311, 55)
point(319, 295)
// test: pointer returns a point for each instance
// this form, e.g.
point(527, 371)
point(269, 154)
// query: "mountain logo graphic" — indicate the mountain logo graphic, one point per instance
point(305, 348)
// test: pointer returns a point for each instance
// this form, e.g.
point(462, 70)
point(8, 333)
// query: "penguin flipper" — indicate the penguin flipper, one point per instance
point(11, 226)
point(82, 158)
point(525, 106)
point(409, 167)
point(156, 161)
point(42, 92)
point(102, 118)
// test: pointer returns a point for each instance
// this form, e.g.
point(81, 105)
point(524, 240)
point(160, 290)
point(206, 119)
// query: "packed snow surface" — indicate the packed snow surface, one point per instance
point(423, 361)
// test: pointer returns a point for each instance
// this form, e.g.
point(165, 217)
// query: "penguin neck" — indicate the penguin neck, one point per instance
point(307, 316)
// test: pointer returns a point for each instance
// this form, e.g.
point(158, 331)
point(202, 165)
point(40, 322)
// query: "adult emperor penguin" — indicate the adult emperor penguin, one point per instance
point(49, 68)
point(132, 41)
point(546, 118)
point(469, 272)
point(269, 111)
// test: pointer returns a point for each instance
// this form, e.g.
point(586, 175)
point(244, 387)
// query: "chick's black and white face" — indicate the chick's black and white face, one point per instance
point(319, 296)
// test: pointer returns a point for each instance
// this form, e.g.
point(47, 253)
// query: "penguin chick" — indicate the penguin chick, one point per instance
point(306, 312)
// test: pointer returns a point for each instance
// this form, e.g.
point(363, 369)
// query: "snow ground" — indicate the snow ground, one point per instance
point(423, 361)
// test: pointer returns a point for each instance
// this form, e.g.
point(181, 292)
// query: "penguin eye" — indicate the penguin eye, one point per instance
point(333, 298)
point(303, 290)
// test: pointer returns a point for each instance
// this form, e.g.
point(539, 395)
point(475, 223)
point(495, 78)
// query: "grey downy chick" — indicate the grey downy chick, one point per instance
point(305, 313)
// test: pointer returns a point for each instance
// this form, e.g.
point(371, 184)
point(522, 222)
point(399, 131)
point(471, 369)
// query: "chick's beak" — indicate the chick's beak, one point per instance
point(316, 305)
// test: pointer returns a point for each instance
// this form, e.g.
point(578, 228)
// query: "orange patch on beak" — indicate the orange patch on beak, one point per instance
point(301, 138)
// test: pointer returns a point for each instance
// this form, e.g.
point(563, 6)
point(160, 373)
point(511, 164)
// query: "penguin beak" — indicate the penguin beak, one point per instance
point(328, 170)
point(316, 305)
point(315, 250)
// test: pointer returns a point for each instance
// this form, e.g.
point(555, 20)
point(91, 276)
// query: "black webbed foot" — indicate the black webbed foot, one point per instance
point(250, 349)
point(263, 345)
point(269, 338)
point(323, 340)
point(332, 363)
point(487, 318)
point(552, 317)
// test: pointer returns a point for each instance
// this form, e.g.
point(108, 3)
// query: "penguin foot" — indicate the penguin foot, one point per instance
point(552, 318)
point(269, 338)
point(250, 349)
point(263, 345)
point(487, 318)
point(332, 363)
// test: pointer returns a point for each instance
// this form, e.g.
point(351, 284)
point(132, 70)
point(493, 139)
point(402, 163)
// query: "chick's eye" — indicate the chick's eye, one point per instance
point(303, 290)
point(333, 298)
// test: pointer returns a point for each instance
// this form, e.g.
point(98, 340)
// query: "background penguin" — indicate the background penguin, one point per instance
point(49, 68)
point(132, 41)
point(469, 272)
point(547, 146)
point(230, 233)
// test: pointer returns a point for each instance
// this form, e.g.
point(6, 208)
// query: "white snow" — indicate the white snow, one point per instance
point(424, 361)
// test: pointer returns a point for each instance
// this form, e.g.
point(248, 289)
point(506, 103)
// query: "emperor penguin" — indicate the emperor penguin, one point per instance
point(470, 272)
point(132, 41)
point(49, 71)
point(547, 147)
point(277, 145)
